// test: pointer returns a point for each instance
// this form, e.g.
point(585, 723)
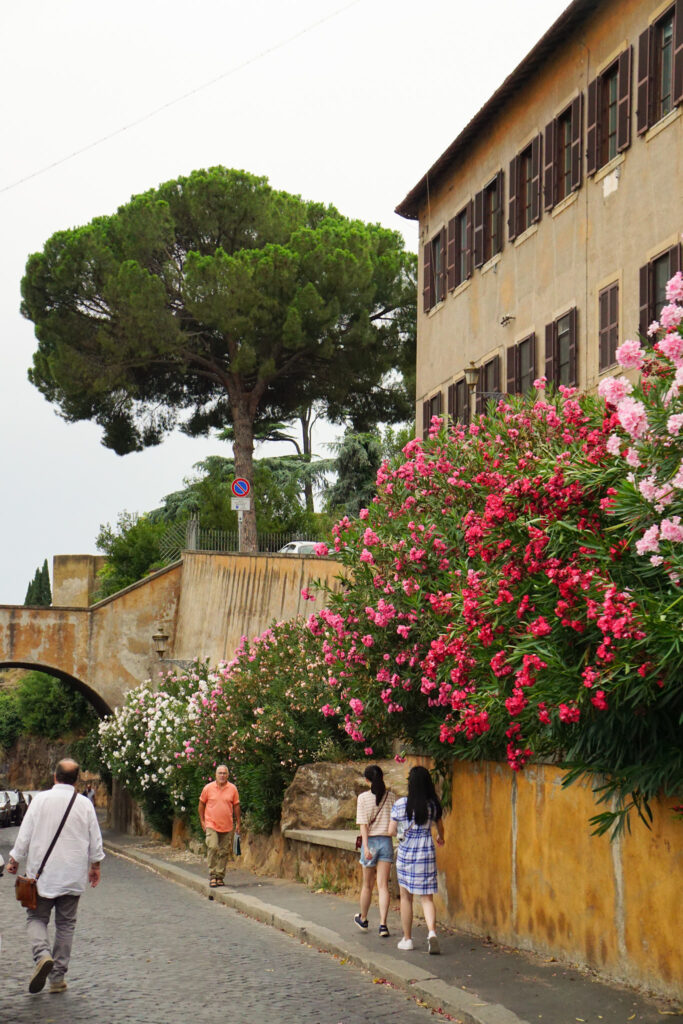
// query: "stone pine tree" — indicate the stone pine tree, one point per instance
point(358, 458)
point(38, 592)
point(216, 300)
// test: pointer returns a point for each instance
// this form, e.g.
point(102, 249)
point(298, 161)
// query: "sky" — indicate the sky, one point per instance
point(342, 102)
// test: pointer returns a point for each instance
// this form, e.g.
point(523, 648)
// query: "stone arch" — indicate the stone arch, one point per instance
point(100, 706)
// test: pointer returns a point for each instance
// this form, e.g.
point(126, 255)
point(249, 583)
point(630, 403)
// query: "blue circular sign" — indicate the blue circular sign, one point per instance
point(240, 487)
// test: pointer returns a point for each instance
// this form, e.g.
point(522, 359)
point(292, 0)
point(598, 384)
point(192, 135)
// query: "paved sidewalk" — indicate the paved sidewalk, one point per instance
point(475, 981)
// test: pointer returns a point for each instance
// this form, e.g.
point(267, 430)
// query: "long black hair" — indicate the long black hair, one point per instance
point(422, 797)
point(375, 776)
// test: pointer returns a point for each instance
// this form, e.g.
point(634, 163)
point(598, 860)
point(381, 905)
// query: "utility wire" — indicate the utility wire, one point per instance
point(180, 99)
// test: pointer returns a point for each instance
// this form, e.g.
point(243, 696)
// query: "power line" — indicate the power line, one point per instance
point(180, 99)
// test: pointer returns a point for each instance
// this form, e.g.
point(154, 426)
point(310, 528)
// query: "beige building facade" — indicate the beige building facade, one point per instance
point(549, 227)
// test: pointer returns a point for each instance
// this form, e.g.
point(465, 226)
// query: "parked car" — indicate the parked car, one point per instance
point(5, 809)
point(299, 547)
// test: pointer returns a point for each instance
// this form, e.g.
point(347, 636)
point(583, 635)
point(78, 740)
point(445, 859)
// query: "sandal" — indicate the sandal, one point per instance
point(213, 882)
point(219, 881)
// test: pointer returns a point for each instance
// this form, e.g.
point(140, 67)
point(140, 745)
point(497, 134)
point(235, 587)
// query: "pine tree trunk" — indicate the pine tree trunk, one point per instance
point(243, 450)
point(305, 421)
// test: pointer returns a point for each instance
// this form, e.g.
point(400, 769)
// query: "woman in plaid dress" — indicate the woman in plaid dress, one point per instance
point(416, 858)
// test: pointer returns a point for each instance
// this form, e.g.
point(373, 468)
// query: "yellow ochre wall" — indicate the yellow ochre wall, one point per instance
point(520, 864)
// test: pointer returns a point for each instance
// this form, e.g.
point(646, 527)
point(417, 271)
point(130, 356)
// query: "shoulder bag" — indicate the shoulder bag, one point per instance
point(359, 839)
point(25, 888)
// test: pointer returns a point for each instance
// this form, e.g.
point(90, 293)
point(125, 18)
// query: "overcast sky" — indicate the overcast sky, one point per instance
point(346, 103)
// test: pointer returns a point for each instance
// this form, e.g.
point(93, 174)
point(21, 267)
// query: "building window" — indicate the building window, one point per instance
point(653, 278)
point(459, 253)
point(608, 128)
point(431, 407)
point(459, 402)
point(562, 166)
point(608, 312)
point(524, 207)
point(560, 349)
point(488, 386)
point(521, 366)
point(488, 221)
point(434, 282)
point(660, 67)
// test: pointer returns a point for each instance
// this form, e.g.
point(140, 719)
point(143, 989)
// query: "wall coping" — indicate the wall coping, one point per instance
point(339, 839)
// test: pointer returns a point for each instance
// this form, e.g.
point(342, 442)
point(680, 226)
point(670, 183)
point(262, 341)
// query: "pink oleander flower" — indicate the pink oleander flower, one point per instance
point(630, 355)
point(365, 556)
point(540, 383)
point(321, 550)
point(569, 714)
point(671, 529)
point(363, 514)
point(672, 345)
point(674, 288)
point(367, 640)
point(399, 759)
point(613, 445)
point(368, 751)
point(632, 416)
point(599, 701)
point(653, 328)
point(675, 422)
point(613, 389)
point(356, 706)
point(671, 316)
point(632, 457)
point(649, 541)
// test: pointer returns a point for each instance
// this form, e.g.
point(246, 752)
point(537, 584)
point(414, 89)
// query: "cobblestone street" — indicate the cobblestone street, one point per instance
point(148, 951)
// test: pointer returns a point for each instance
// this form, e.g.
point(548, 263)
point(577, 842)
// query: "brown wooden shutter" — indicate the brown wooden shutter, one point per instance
point(613, 342)
point(441, 283)
point(451, 403)
point(512, 370)
point(549, 167)
point(480, 401)
point(592, 141)
point(437, 404)
point(450, 254)
point(532, 354)
point(644, 93)
point(496, 375)
point(644, 318)
point(603, 329)
point(479, 228)
point(678, 53)
point(674, 260)
point(427, 290)
point(536, 148)
point(498, 240)
point(512, 205)
point(550, 334)
point(425, 419)
point(577, 135)
point(624, 100)
point(573, 347)
point(469, 230)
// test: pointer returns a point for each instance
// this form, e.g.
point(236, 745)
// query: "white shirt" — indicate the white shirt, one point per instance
point(79, 844)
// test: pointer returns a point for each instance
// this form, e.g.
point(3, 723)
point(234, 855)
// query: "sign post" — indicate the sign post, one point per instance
point(240, 503)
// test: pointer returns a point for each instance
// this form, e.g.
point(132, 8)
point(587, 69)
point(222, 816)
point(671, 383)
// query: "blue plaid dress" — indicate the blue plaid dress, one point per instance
point(416, 857)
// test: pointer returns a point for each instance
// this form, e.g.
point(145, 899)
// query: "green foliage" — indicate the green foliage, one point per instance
point(358, 459)
point(132, 550)
point(10, 719)
point(39, 593)
point(47, 707)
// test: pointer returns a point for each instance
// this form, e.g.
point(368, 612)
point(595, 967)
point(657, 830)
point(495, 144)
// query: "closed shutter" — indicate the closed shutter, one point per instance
point(644, 94)
point(674, 260)
point(441, 283)
point(437, 404)
point(451, 403)
point(577, 135)
point(592, 140)
point(496, 375)
point(678, 53)
point(549, 167)
point(532, 355)
point(536, 147)
point(624, 100)
point(479, 229)
point(469, 223)
point(425, 419)
point(512, 205)
point(512, 370)
point(613, 343)
point(427, 290)
point(450, 255)
point(498, 240)
point(644, 317)
point(480, 401)
point(573, 347)
point(550, 333)
point(603, 331)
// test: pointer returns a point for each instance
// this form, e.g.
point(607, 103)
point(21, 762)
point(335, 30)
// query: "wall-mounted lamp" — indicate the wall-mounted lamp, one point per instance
point(471, 376)
point(506, 319)
point(160, 639)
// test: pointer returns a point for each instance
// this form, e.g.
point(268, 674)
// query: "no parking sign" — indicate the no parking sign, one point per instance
point(240, 487)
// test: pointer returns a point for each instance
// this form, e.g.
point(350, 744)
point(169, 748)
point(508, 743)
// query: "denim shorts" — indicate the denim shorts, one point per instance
point(381, 848)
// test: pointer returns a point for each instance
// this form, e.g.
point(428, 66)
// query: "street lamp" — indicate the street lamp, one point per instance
point(471, 379)
point(160, 639)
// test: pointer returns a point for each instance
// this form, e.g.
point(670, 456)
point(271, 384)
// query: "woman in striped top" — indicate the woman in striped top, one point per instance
point(373, 814)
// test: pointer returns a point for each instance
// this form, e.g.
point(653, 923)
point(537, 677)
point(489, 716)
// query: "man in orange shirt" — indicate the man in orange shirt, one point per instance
point(219, 808)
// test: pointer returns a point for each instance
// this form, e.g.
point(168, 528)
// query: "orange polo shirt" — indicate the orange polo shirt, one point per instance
point(219, 802)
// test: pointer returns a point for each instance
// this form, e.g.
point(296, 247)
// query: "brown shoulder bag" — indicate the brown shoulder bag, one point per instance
point(25, 888)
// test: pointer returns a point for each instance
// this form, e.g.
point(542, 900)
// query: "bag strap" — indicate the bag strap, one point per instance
point(56, 835)
point(372, 820)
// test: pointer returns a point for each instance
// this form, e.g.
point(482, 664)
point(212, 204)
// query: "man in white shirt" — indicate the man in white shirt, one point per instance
point(74, 861)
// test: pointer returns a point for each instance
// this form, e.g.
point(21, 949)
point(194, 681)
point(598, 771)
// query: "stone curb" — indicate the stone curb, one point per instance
point(417, 982)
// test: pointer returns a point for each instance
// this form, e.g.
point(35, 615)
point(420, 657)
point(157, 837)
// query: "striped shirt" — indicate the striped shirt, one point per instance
point(366, 808)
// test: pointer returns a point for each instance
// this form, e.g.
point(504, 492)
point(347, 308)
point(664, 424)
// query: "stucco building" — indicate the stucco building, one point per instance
point(551, 224)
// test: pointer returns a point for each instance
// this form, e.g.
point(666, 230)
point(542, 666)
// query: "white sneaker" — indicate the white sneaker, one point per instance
point(405, 944)
point(433, 943)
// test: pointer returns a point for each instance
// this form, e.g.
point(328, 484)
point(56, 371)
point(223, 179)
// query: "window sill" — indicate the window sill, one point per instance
point(607, 168)
point(564, 204)
point(672, 116)
point(520, 239)
point(435, 307)
point(462, 287)
point(492, 263)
